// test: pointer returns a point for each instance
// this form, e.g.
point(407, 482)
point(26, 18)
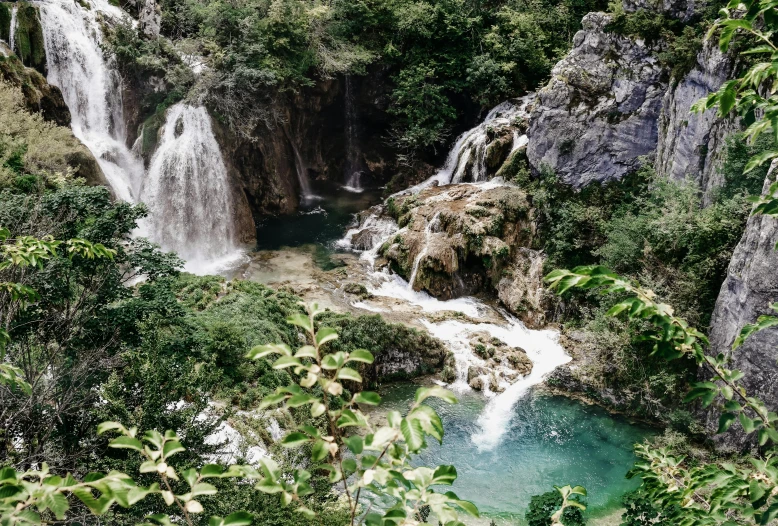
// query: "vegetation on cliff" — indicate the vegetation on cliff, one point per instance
point(444, 58)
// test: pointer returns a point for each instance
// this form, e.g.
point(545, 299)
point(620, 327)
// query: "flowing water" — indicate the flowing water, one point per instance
point(91, 87)
point(466, 162)
point(12, 34)
point(550, 440)
point(187, 192)
point(186, 186)
point(353, 166)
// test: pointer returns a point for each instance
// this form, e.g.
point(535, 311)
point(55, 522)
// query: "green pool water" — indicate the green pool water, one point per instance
point(550, 440)
point(317, 222)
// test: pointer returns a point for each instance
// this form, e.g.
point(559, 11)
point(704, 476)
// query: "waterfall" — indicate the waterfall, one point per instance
point(187, 191)
point(12, 34)
point(353, 167)
point(91, 87)
point(302, 175)
point(467, 159)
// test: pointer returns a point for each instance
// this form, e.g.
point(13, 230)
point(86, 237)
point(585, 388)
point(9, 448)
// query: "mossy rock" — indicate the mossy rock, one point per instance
point(29, 37)
point(39, 95)
point(5, 21)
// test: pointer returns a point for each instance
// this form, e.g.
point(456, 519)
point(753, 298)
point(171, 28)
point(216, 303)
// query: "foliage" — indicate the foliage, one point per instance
point(379, 460)
point(33, 151)
point(543, 507)
point(442, 58)
point(709, 493)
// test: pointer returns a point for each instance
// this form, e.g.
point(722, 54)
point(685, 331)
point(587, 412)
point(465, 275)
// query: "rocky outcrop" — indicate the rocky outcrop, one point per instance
point(39, 95)
point(458, 238)
point(749, 289)
point(598, 114)
point(683, 10)
point(28, 40)
point(150, 18)
point(462, 239)
point(691, 145)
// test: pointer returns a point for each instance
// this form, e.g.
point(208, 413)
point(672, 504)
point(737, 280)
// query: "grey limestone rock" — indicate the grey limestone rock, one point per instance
point(598, 114)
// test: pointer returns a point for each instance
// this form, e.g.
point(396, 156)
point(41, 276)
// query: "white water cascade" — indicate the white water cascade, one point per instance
point(432, 226)
point(353, 168)
point(187, 192)
point(466, 162)
point(91, 87)
point(542, 346)
point(12, 33)
point(307, 194)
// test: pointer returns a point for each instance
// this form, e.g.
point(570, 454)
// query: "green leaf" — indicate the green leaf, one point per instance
point(286, 361)
point(747, 423)
point(367, 397)
point(295, 439)
point(438, 392)
point(349, 374)
point(725, 421)
point(272, 399)
point(126, 443)
point(360, 355)
point(171, 448)
point(445, 475)
point(355, 444)
point(301, 320)
point(325, 334)
point(413, 434)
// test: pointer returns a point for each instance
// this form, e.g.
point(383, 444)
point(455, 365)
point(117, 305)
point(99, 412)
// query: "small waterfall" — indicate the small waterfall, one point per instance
point(187, 191)
point(12, 34)
point(467, 159)
point(541, 346)
point(432, 225)
point(91, 87)
point(353, 167)
point(302, 175)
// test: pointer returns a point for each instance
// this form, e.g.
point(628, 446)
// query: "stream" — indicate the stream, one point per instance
point(507, 446)
point(509, 441)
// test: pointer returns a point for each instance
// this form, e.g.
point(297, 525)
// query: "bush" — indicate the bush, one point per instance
point(541, 507)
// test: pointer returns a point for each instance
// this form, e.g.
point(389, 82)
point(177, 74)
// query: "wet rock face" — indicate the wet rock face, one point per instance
point(691, 145)
point(597, 116)
point(750, 287)
point(457, 240)
point(39, 95)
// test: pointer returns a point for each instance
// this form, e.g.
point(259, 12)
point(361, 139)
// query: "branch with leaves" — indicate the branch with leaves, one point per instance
point(357, 454)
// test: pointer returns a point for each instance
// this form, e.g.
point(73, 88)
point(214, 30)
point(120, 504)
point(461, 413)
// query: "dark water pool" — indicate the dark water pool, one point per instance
point(318, 221)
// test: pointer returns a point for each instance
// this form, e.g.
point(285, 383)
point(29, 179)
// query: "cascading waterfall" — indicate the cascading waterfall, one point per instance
point(91, 87)
point(542, 346)
point(187, 191)
point(302, 176)
point(353, 168)
point(467, 159)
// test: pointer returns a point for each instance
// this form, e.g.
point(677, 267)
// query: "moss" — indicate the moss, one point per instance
point(29, 37)
point(5, 21)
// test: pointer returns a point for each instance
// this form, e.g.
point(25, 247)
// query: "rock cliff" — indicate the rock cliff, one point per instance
point(610, 101)
point(598, 114)
point(749, 289)
point(691, 145)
